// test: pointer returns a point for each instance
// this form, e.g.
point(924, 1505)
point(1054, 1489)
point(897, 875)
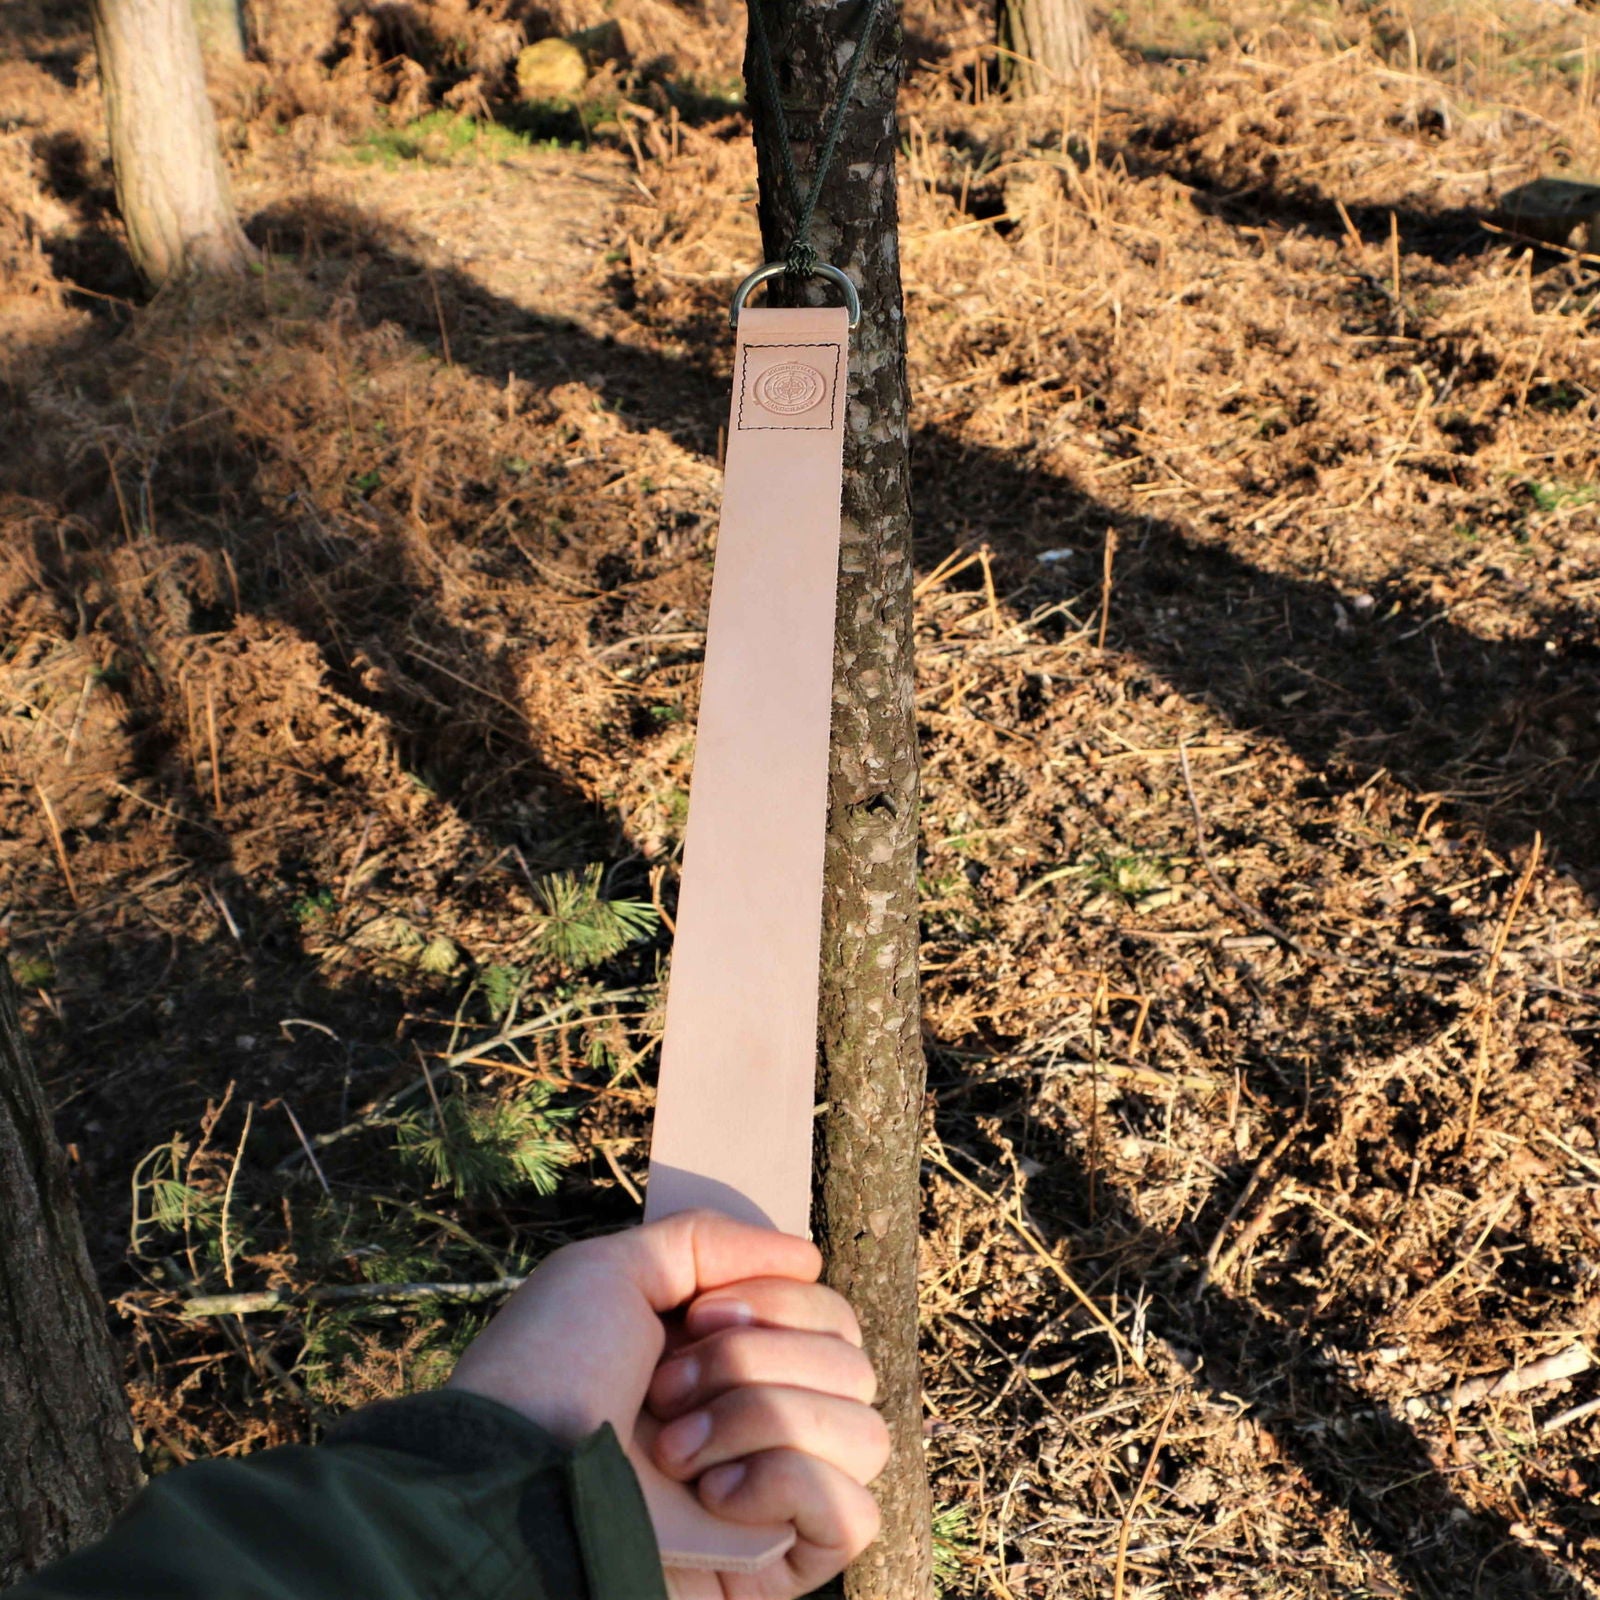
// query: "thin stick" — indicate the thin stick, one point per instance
point(1563, 1419)
point(1300, 1197)
point(438, 311)
point(1068, 1282)
point(1260, 918)
point(1246, 1194)
point(232, 1305)
point(305, 1144)
point(433, 1094)
point(1394, 269)
point(988, 590)
point(1564, 1364)
point(211, 737)
point(1107, 562)
point(1119, 1576)
point(58, 842)
point(77, 720)
point(1486, 1004)
point(1351, 237)
point(116, 489)
point(957, 561)
point(227, 1197)
point(656, 875)
point(621, 1176)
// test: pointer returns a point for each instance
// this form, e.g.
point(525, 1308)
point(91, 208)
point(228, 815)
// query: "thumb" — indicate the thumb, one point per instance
point(673, 1261)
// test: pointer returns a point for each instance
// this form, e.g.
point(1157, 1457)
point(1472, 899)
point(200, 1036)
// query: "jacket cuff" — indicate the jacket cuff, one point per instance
point(461, 1432)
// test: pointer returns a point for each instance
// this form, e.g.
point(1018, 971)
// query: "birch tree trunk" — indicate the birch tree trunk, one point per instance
point(172, 187)
point(67, 1461)
point(872, 1066)
point(1047, 44)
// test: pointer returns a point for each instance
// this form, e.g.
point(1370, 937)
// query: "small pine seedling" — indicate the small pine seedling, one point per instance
point(574, 927)
point(485, 1150)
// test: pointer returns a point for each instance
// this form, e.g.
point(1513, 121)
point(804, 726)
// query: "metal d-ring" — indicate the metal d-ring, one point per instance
point(774, 269)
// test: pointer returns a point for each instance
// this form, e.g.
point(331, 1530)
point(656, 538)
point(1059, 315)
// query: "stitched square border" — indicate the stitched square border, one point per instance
point(752, 404)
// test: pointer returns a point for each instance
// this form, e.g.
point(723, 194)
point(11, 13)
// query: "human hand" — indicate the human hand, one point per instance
point(765, 1395)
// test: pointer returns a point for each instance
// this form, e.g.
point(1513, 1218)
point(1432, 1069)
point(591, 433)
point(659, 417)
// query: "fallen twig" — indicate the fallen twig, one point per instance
point(1246, 1194)
point(1119, 1576)
point(1565, 1419)
point(1067, 1281)
point(232, 1305)
point(1564, 1364)
point(1480, 1069)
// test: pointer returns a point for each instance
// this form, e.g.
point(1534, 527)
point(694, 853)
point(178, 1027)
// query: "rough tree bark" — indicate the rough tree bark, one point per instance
point(872, 1067)
point(67, 1461)
point(1047, 45)
point(172, 188)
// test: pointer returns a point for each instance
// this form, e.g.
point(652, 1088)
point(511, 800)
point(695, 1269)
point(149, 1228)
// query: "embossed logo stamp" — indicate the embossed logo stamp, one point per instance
point(790, 385)
point(790, 388)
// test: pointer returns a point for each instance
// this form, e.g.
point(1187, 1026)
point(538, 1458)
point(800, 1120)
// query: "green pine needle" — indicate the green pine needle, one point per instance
point(952, 1540)
point(574, 927)
point(500, 986)
point(486, 1150)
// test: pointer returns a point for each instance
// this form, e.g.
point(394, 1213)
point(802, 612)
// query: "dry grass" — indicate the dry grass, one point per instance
point(1258, 532)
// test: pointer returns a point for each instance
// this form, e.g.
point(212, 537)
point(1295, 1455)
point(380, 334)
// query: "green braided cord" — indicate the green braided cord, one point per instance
point(800, 261)
point(769, 88)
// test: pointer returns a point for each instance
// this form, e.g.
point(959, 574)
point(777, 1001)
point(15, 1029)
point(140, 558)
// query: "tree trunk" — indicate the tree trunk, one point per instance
point(872, 1067)
point(220, 25)
point(67, 1461)
point(172, 187)
point(1046, 44)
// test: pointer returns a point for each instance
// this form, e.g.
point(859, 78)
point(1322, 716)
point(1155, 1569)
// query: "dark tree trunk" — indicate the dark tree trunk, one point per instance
point(1047, 45)
point(67, 1461)
point(172, 188)
point(872, 1067)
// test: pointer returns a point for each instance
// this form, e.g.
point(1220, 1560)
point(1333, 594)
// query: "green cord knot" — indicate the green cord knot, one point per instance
point(801, 261)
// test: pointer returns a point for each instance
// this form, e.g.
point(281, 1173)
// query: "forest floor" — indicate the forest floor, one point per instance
point(349, 634)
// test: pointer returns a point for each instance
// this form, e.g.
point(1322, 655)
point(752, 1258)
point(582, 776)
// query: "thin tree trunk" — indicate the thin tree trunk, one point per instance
point(872, 1066)
point(1047, 45)
point(172, 188)
point(220, 25)
point(67, 1461)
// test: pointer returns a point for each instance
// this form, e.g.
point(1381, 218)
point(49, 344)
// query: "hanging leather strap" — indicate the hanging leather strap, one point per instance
point(733, 1122)
point(738, 1061)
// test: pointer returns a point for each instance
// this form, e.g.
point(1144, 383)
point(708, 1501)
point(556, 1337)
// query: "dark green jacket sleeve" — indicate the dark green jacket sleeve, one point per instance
point(442, 1496)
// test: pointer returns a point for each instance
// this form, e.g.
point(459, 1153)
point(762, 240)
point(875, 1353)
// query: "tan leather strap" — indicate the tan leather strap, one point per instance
point(733, 1121)
point(738, 1061)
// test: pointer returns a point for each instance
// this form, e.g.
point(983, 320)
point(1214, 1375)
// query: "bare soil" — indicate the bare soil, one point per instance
point(1258, 486)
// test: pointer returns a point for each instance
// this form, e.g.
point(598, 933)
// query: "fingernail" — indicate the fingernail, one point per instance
point(720, 1482)
point(706, 1316)
point(682, 1439)
point(675, 1379)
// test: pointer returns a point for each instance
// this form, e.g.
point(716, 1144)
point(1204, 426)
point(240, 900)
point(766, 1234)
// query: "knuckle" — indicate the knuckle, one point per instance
point(755, 1409)
point(725, 1358)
